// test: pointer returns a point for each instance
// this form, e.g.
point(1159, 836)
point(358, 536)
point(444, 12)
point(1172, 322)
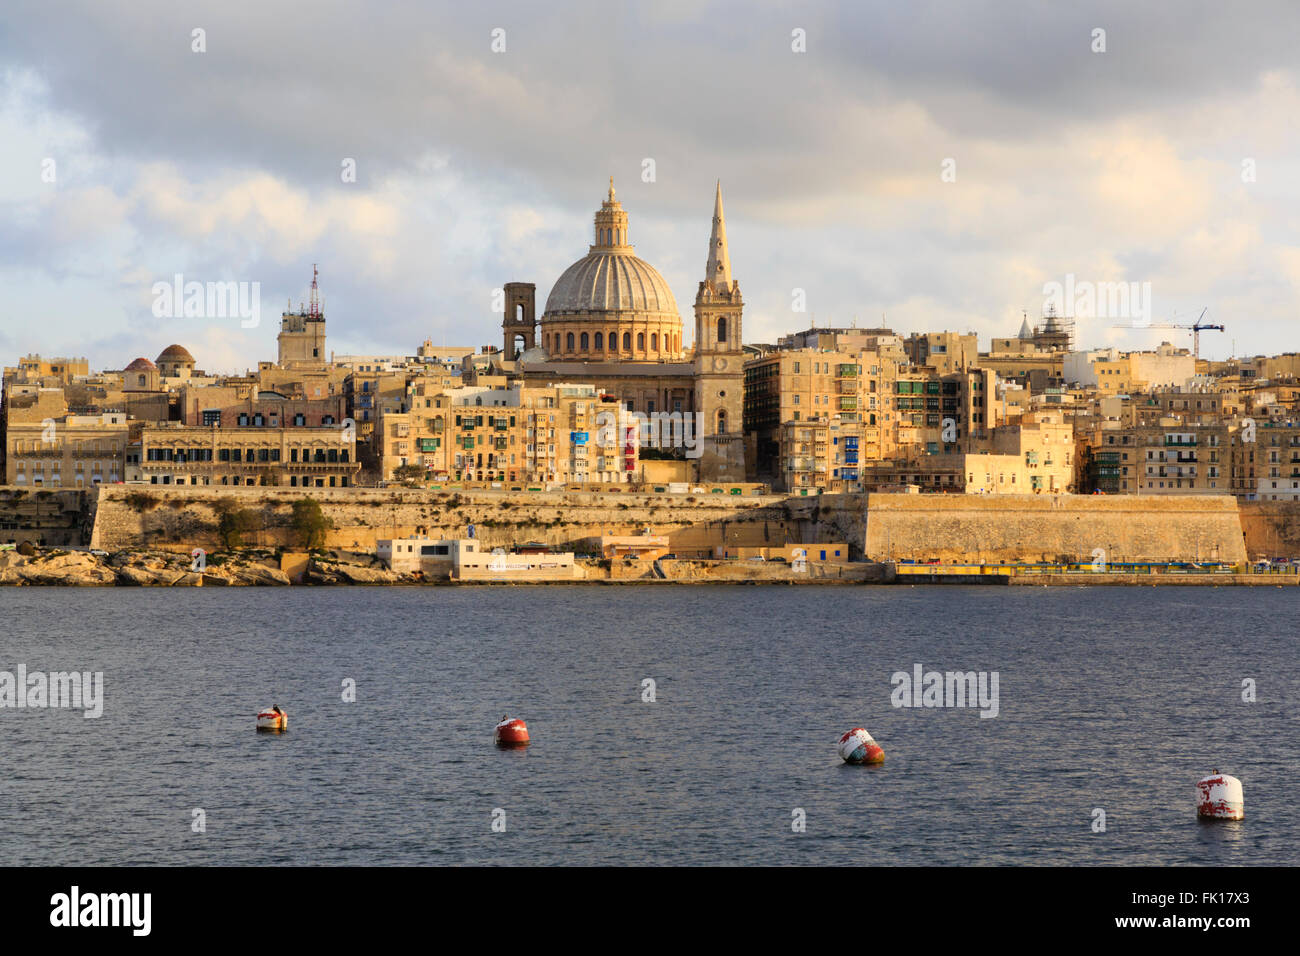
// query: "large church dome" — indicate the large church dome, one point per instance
point(609, 281)
point(610, 305)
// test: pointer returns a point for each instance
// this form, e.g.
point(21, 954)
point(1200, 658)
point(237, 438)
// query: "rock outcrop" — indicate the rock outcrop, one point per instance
point(328, 572)
point(67, 568)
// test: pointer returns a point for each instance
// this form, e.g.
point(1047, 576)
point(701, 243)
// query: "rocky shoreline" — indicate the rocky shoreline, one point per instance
point(59, 567)
point(62, 568)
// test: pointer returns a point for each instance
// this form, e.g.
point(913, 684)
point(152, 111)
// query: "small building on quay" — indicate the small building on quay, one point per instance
point(463, 559)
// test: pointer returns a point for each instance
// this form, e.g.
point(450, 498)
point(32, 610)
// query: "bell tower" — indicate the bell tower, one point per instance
point(719, 361)
point(519, 324)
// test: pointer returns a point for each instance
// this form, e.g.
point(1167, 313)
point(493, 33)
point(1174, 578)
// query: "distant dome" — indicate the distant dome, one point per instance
point(140, 365)
point(175, 355)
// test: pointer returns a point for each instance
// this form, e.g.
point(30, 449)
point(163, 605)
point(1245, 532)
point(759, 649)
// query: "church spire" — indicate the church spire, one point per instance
point(718, 271)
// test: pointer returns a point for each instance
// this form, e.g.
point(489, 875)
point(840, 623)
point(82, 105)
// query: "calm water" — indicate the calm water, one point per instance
point(1109, 697)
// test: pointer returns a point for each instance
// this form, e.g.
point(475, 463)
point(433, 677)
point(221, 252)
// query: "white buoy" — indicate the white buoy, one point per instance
point(857, 746)
point(1219, 797)
point(273, 718)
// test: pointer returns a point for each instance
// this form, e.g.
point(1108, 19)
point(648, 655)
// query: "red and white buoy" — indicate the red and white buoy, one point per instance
point(1218, 797)
point(511, 732)
point(857, 746)
point(273, 718)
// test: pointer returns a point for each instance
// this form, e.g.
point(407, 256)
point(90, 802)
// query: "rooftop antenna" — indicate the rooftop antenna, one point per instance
point(315, 294)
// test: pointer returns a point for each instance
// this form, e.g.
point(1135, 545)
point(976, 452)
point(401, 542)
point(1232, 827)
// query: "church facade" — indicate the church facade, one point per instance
point(611, 321)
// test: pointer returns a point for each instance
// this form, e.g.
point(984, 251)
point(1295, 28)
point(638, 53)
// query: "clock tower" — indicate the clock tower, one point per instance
point(719, 361)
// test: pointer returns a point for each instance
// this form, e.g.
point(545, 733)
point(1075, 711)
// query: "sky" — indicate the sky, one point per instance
point(925, 166)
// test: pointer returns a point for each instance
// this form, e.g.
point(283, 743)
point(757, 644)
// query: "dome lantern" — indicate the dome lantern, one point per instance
point(611, 225)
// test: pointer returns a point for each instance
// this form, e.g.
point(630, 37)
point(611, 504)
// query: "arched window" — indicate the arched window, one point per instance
point(654, 341)
point(627, 341)
point(569, 341)
point(586, 342)
point(613, 341)
point(722, 421)
point(640, 341)
point(722, 328)
point(600, 341)
point(519, 312)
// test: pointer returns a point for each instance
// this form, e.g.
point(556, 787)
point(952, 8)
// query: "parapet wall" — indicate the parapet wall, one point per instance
point(880, 527)
point(1012, 528)
point(1272, 528)
point(186, 517)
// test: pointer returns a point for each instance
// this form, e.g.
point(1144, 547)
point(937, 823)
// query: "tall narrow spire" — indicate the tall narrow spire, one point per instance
point(718, 271)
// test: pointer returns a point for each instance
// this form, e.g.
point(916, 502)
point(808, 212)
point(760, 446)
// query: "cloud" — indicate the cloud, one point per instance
point(476, 168)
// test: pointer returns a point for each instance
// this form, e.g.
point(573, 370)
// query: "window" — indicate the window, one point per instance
point(722, 328)
point(627, 341)
point(654, 341)
point(640, 341)
point(568, 340)
point(585, 342)
point(600, 341)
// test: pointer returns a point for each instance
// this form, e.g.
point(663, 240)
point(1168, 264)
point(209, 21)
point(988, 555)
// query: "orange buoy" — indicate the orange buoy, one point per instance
point(857, 746)
point(273, 719)
point(511, 733)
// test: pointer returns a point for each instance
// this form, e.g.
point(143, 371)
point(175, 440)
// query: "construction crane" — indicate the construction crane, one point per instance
point(1196, 328)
